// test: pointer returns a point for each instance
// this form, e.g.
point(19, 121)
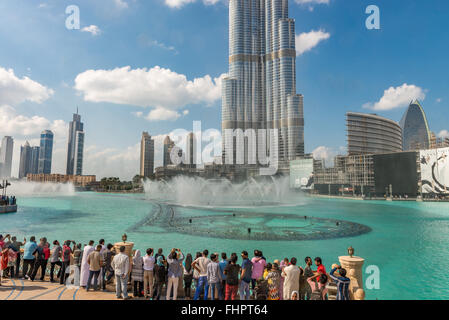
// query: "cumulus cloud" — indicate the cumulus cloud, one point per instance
point(161, 114)
point(438, 100)
point(15, 90)
point(327, 154)
point(92, 29)
point(397, 97)
point(177, 3)
point(156, 87)
point(443, 134)
point(306, 41)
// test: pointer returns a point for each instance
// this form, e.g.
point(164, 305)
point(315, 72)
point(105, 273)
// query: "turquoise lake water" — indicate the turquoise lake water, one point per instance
point(408, 241)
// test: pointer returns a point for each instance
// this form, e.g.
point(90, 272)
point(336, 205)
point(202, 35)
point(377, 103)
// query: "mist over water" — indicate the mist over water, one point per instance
point(195, 191)
point(25, 188)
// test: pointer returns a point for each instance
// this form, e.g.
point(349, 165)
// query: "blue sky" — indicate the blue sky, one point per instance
point(169, 43)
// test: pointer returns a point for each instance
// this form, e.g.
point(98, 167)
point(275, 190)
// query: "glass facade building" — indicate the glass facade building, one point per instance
point(75, 146)
point(260, 89)
point(34, 160)
point(146, 155)
point(46, 151)
point(371, 134)
point(415, 129)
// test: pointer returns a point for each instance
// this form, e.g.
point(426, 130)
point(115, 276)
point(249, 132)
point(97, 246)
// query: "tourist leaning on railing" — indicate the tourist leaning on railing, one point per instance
point(302, 284)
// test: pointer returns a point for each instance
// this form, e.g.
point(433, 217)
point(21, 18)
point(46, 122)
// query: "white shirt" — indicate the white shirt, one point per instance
point(120, 264)
point(148, 263)
point(201, 263)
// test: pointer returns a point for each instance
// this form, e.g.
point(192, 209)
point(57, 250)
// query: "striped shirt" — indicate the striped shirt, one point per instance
point(342, 286)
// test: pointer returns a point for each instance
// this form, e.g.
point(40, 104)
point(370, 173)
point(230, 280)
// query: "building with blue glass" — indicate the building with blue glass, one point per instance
point(75, 148)
point(45, 153)
point(416, 134)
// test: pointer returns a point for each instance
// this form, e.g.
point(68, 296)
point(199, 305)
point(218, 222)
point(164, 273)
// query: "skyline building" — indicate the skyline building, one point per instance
point(34, 162)
point(191, 151)
point(79, 153)
point(168, 146)
point(415, 128)
point(25, 160)
point(372, 134)
point(146, 155)
point(75, 146)
point(260, 89)
point(46, 151)
point(6, 152)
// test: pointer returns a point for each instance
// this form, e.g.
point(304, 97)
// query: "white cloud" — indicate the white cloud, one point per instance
point(177, 3)
point(14, 90)
point(180, 3)
point(327, 154)
point(438, 100)
point(312, 1)
point(185, 112)
point(161, 114)
point(210, 2)
point(443, 134)
point(121, 4)
point(308, 40)
point(397, 97)
point(92, 29)
point(156, 87)
point(146, 41)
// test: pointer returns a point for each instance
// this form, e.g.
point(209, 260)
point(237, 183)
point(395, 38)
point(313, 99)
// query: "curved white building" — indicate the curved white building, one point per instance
point(260, 90)
point(371, 134)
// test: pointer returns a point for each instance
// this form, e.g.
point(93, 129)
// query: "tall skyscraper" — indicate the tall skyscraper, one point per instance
point(79, 153)
point(26, 154)
point(260, 90)
point(75, 146)
point(46, 151)
point(34, 163)
point(146, 155)
point(168, 146)
point(191, 150)
point(6, 156)
point(415, 129)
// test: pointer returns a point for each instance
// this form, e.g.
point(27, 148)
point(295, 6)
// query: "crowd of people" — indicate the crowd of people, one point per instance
point(7, 200)
point(214, 276)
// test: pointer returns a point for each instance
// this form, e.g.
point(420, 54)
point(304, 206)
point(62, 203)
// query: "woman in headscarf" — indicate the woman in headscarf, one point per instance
point(284, 263)
point(295, 295)
point(274, 282)
point(188, 276)
point(137, 274)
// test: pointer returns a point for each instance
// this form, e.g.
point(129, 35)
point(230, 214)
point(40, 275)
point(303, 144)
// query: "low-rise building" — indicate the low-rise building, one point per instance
point(78, 181)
